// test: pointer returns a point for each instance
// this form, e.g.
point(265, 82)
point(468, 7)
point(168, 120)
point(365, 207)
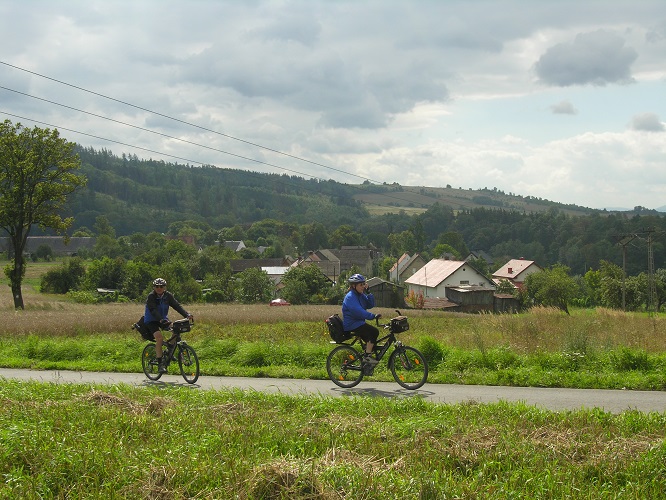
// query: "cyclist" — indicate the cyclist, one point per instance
point(355, 312)
point(155, 316)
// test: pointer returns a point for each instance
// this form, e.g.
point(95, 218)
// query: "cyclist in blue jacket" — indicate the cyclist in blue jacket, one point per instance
point(156, 315)
point(355, 312)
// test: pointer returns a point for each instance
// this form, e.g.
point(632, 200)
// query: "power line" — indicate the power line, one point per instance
point(187, 123)
point(185, 159)
point(387, 195)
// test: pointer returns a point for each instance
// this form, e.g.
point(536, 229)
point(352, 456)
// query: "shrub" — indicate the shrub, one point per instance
point(432, 350)
point(626, 359)
point(63, 278)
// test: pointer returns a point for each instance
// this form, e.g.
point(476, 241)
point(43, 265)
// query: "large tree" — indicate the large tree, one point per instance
point(37, 175)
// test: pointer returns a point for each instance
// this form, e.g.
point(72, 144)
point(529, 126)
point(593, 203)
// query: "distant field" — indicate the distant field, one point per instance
point(417, 199)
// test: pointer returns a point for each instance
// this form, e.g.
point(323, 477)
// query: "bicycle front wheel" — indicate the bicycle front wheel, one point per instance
point(189, 364)
point(409, 367)
point(149, 362)
point(344, 366)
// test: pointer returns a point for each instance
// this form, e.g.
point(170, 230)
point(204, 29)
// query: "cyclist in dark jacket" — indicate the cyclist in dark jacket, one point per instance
point(355, 312)
point(156, 315)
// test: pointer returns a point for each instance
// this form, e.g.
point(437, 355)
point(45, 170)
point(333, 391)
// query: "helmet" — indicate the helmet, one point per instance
point(159, 282)
point(356, 278)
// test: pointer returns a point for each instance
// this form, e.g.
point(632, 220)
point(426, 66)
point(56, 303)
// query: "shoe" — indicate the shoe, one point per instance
point(160, 366)
point(369, 360)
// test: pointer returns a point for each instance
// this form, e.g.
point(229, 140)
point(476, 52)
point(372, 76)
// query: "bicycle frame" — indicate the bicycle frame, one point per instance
point(345, 365)
point(186, 356)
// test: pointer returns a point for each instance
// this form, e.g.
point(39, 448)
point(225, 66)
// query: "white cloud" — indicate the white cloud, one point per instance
point(472, 94)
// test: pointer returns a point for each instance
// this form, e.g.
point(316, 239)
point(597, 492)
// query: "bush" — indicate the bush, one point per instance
point(627, 359)
point(63, 278)
point(432, 350)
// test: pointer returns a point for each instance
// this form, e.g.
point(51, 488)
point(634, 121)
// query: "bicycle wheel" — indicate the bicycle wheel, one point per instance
point(344, 366)
point(409, 367)
point(149, 362)
point(189, 364)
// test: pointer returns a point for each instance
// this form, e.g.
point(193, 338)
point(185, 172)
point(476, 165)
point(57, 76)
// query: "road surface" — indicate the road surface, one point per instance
point(613, 401)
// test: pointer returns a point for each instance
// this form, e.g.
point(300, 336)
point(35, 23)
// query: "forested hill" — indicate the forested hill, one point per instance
point(142, 196)
point(139, 195)
point(146, 195)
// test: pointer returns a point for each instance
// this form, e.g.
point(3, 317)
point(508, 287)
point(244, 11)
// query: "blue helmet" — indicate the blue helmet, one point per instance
point(356, 278)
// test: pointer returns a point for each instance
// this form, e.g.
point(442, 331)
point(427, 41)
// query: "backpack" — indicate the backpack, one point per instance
point(140, 326)
point(336, 330)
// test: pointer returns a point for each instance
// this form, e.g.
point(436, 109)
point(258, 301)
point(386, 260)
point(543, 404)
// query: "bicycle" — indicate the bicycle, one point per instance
point(345, 365)
point(187, 358)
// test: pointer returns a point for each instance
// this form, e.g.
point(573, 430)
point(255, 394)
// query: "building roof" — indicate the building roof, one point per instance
point(434, 272)
point(400, 263)
point(514, 268)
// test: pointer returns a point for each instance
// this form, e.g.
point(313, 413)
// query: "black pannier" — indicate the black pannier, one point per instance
point(399, 324)
point(140, 326)
point(336, 330)
point(181, 325)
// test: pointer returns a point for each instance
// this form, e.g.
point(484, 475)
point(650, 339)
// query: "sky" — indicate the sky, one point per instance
point(557, 99)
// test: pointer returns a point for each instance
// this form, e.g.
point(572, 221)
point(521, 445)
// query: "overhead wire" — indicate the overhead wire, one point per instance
point(141, 148)
point(388, 195)
point(187, 123)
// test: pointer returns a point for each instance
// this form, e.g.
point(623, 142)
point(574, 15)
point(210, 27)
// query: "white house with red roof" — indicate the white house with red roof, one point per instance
point(516, 270)
point(436, 276)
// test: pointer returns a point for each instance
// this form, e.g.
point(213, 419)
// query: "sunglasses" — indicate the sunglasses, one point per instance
point(159, 286)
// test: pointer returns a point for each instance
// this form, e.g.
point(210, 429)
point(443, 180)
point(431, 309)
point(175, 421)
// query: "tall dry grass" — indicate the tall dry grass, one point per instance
point(539, 330)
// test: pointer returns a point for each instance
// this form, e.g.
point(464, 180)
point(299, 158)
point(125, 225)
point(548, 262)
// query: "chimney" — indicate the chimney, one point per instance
point(511, 270)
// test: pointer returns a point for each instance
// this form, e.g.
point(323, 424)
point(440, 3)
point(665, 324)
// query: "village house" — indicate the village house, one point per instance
point(405, 267)
point(515, 271)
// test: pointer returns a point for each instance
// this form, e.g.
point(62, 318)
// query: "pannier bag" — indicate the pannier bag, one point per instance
point(399, 324)
point(140, 326)
point(336, 330)
point(181, 325)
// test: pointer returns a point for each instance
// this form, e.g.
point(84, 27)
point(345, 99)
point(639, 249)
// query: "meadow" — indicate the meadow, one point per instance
point(162, 441)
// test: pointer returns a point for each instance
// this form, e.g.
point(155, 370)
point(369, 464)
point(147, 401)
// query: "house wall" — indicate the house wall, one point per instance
point(463, 276)
point(530, 270)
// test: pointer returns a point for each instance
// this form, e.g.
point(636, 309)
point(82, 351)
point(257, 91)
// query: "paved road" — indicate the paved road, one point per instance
point(614, 401)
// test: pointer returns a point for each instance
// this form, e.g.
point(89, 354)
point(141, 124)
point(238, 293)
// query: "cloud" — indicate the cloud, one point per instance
point(596, 58)
point(647, 122)
point(564, 108)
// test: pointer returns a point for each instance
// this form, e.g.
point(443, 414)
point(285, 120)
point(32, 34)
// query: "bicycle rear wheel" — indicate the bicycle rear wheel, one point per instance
point(149, 362)
point(409, 367)
point(344, 366)
point(189, 364)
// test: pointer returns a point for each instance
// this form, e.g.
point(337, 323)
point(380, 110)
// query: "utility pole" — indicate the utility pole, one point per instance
point(624, 242)
point(652, 288)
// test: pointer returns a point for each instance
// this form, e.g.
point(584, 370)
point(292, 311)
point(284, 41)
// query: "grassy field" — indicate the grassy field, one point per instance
point(75, 441)
point(166, 442)
point(544, 347)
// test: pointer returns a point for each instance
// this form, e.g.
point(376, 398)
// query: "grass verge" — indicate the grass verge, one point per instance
point(77, 441)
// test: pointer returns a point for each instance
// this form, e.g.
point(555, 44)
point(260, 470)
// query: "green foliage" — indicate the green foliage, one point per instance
point(305, 285)
point(505, 287)
point(433, 351)
point(136, 279)
point(38, 173)
point(552, 287)
point(254, 285)
point(625, 359)
point(43, 252)
point(104, 273)
point(63, 278)
point(277, 446)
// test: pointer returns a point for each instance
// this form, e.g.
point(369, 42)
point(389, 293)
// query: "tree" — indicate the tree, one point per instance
point(37, 176)
point(63, 278)
point(305, 285)
point(254, 285)
point(552, 287)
